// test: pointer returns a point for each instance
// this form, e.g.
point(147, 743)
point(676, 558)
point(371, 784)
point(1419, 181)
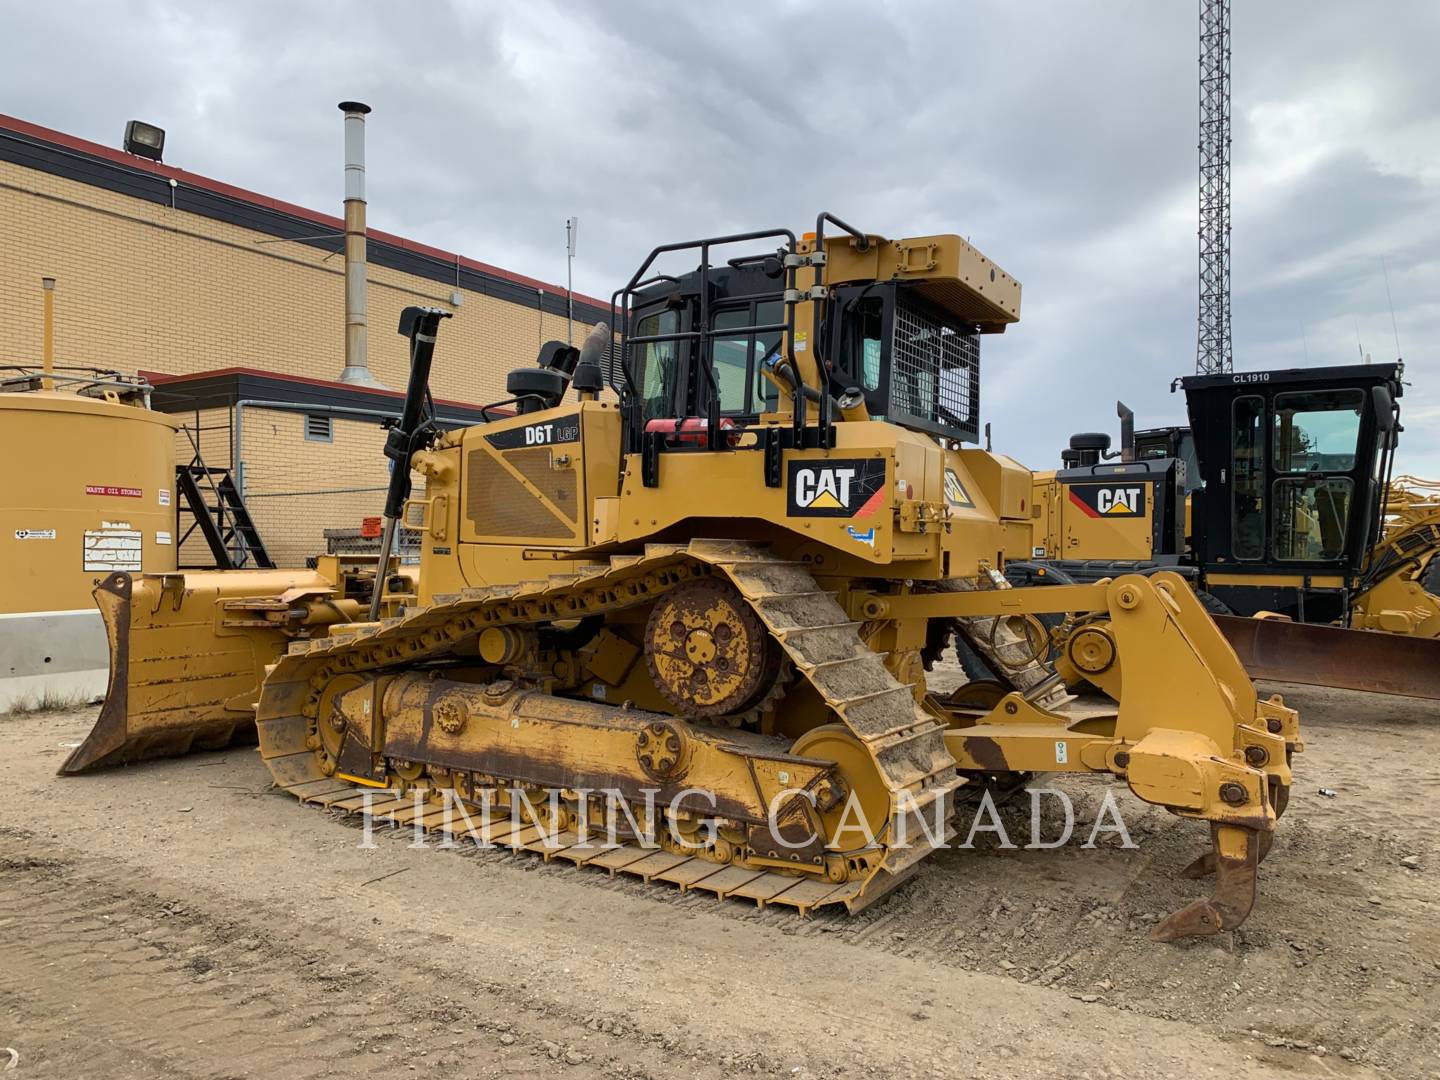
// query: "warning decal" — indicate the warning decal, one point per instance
point(109, 550)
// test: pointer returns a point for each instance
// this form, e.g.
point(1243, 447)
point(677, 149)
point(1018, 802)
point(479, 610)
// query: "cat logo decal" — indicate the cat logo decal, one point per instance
point(1109, 500)
point(836, 487)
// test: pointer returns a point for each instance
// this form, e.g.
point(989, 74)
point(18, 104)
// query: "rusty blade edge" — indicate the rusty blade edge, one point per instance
point(1314, 655)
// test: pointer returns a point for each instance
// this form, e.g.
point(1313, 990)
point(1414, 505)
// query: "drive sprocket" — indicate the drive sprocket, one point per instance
point(708, 652)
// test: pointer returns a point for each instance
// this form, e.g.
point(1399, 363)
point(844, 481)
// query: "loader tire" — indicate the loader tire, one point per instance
point(975, 666)
point(1213, 604)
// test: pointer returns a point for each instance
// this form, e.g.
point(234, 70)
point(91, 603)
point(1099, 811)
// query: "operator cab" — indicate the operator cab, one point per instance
point(1295, 465)
point(747, 317)
point(916, 364)
point(910, 362)
point(767, 350)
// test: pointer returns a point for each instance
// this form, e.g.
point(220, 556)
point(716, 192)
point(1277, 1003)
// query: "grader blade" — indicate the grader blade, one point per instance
point(187, 655)
point(1316, 655)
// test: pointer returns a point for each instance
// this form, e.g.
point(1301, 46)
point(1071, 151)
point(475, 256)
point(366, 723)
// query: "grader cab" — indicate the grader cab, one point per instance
point(1276, 501)
point(717, 598)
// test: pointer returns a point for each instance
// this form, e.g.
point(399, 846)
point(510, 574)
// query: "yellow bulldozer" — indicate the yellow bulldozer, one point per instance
point(717, 598)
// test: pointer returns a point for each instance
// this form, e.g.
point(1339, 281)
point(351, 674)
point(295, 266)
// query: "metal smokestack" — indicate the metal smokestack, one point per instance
point(357, 364)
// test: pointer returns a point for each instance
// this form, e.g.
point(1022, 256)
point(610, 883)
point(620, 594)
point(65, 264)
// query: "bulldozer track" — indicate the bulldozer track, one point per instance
point(991, 636)
point(905, 744)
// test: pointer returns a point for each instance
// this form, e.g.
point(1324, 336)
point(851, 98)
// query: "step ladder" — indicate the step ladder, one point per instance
point(212, 499)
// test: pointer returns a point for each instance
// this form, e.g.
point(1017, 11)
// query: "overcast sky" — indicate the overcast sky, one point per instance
point(1060, 137)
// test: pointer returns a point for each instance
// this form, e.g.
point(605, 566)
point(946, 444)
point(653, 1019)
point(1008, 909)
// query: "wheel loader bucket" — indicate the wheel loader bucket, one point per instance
point(187, 655)
point(1315, 655)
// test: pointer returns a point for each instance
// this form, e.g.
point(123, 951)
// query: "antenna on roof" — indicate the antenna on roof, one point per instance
point(572, 233)
point(1393, 324)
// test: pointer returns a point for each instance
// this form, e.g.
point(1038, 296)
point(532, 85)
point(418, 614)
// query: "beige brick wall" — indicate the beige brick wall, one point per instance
point(145, 287)
point(296, 488)
point(142, 286)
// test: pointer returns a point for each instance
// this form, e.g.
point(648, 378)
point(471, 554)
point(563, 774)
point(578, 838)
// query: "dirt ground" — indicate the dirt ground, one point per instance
point(181, 919)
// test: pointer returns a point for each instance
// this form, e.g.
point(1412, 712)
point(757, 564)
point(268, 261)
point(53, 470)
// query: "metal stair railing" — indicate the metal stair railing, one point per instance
point(219, 512)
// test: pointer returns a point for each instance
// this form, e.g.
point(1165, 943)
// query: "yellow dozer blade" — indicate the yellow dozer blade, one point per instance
point(187, 654)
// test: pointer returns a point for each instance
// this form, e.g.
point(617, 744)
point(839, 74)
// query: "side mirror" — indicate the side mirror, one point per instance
point(1383, 406)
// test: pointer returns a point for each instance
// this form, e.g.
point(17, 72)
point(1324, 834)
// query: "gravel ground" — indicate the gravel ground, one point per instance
point(181, 919)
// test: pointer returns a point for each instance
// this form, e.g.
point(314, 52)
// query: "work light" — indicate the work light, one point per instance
point(144, 140)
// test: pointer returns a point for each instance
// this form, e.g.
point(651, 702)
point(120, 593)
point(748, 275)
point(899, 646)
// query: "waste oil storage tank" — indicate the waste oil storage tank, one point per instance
point(86, 489)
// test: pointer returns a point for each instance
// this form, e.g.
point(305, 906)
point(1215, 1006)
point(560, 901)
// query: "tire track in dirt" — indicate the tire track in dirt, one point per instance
point(107, 980)
point(1065, 923)
point(1076, 921)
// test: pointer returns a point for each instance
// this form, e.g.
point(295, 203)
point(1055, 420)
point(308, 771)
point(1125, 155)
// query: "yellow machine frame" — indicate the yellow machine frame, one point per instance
point(779, 662)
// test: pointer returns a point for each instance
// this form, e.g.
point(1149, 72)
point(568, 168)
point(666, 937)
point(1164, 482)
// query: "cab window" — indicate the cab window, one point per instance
point(739, 355)
point(872, 322)
point(654, 365)
point(1247, 488)
point(1317, 431)
point(1311, 516)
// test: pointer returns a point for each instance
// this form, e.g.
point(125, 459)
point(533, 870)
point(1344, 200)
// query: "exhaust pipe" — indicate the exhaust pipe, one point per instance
point(357, 363)
point(1127, 431)
point(47, 354)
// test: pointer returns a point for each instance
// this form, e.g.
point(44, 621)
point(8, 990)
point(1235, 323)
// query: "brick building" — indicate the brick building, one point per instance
point(232, 303)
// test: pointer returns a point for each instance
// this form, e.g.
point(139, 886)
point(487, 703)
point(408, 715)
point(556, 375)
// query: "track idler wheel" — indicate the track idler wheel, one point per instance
point(330, 723)
point(854, 810)
point(1237, 864)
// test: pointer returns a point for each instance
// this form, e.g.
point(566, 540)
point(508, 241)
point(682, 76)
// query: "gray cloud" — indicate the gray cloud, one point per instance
point(1059, 137)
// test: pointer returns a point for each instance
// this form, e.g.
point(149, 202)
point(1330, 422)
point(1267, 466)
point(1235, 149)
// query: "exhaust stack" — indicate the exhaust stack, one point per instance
point(1127, 431)
point(357, 363)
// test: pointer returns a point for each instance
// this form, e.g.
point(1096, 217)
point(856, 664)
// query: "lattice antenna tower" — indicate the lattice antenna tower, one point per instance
point(1213, 352)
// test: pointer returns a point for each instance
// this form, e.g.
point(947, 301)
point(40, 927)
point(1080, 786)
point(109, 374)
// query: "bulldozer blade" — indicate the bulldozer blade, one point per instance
point(183, 675)
point(1317, 655)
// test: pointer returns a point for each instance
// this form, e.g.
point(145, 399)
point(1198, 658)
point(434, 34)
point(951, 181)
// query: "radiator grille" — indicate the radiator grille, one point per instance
point(934, 374)
point(497, 504)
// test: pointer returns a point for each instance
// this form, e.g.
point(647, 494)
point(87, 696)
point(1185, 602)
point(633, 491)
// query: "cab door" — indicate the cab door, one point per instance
point(1315, 437)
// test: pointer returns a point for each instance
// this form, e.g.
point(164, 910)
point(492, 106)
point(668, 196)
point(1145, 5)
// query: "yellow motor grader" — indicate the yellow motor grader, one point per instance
point(1404, 597)
point(718, 598)
point(1277, 503)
